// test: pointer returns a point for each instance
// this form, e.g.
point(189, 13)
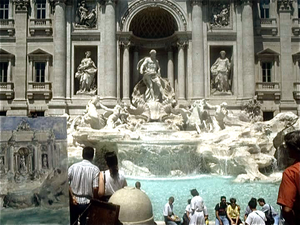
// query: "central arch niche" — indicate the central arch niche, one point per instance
point(153, 23)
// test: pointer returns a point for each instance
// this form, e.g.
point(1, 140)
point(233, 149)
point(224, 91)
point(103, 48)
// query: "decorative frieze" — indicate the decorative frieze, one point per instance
point(220, 14)
point(85, 18)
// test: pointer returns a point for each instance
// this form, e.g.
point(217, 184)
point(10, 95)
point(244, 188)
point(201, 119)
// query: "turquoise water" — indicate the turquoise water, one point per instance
point(210, 188)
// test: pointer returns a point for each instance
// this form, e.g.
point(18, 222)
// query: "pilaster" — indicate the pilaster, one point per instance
point(248, 49)
point(197, 51)
point(59, 58)
point(285, 8)
point(19, 106)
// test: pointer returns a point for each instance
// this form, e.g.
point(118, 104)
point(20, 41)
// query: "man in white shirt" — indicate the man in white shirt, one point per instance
point(168, 212)
point(256, 217)
point(197, 208)
point(84, 181)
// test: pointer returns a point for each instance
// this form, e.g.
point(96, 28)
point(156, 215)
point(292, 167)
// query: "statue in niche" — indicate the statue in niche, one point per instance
point(2, 167)
point(23, 168)
point(220, 74)
point(220, 15)
point(86, 18)
point(86, 74)
point(45, 161)
point(150, 69)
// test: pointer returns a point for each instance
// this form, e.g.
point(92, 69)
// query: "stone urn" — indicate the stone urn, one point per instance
point(135, 206)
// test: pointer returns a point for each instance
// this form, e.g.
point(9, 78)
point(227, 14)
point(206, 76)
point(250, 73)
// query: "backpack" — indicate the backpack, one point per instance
point(270, 219)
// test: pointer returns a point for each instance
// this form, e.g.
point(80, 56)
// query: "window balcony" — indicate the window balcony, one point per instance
point(40, 27)
point(267, 26)
point(296, 91)
point(296, 26)
point(7, 26)
point(39, 89)
point(7, 90)
point(268, 90)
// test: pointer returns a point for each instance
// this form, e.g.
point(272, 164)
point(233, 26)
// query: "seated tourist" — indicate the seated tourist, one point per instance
point(169, 216)
point(112, 179)
point(221, 212)
point(233, 212)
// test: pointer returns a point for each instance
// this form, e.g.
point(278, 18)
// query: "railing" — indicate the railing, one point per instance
point(296, 21)
point(296, 26)
point(267, 85)
point(39, 86)
point(296, 91)
point(268, 21)
point(8, 26)
point(40, 22)
point(7, 89)
point(44, 25)
point(7, 22)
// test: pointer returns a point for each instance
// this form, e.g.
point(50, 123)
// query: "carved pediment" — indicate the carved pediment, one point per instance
point(268, 53)
point(5, 54)
point(39, 54)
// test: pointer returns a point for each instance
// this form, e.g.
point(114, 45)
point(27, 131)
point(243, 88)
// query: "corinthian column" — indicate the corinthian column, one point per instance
point(181, 71)
point(248, 49)
point(126, 71)
point(171, 66)
point(197, 51)
point(111, 51)
point(59, 59)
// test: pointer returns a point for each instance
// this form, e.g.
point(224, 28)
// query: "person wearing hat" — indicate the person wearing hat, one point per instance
point(289, 190)
point(197, 209)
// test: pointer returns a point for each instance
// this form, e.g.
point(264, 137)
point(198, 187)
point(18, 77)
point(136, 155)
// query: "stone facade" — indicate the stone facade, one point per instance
point(44, 41)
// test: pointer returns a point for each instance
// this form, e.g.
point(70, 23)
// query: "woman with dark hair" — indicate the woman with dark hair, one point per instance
point(112, 179)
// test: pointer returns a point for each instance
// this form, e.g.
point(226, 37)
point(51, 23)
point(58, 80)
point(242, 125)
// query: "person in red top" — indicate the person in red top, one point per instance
point(289, 190)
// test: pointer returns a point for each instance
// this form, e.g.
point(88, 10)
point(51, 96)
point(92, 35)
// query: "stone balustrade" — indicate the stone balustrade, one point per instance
point(40, 25)
point(7, 90)
point(296, 26)
point(39, 88)
point(7, 25)
point(296, 91)
point(267, 26)
point(268, 90)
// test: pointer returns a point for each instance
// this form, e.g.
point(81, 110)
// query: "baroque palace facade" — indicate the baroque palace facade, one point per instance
point(46, 43)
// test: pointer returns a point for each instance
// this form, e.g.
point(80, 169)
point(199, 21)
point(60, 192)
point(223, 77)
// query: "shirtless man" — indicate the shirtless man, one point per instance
point(150, 70)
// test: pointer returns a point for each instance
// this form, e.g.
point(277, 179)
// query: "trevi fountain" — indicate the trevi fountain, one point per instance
point(171, 148)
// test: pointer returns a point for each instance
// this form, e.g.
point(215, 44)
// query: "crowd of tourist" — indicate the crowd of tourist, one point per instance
point(87, 182)
point(227, 213)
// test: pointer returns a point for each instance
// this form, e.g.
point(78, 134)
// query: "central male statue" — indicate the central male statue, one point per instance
point(150, 69)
